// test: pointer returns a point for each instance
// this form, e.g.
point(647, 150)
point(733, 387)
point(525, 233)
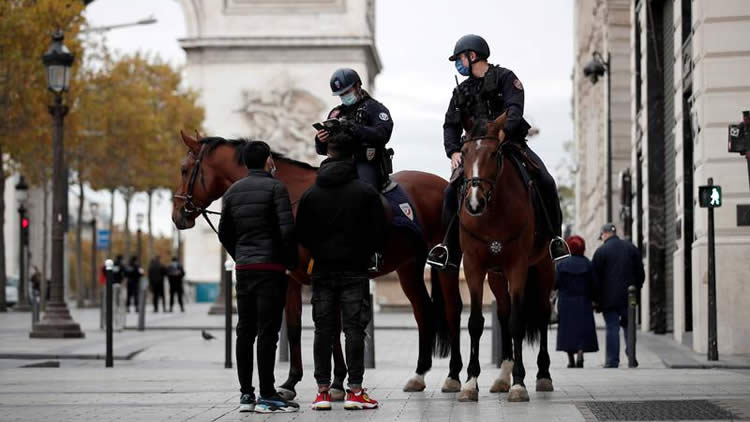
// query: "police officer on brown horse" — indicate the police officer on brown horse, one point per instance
point(367, 121)
point(489, 91)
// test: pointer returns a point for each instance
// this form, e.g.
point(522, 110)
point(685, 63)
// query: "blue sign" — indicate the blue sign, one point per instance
point(102, 239)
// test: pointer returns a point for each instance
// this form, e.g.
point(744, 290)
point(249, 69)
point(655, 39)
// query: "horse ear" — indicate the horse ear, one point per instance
point(191, 143)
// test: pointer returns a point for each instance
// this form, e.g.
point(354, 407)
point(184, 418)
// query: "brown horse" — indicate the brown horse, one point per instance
point(213, 164)
point(498, 236)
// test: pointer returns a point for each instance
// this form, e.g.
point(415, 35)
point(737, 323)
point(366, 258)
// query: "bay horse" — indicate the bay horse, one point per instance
point(212, 165)
point(498, 233)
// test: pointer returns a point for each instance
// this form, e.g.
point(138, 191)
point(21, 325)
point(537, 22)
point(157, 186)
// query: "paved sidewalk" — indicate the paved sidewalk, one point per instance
point(179, 376)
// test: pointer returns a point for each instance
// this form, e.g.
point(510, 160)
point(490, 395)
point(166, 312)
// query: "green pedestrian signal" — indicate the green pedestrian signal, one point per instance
point(709, 196)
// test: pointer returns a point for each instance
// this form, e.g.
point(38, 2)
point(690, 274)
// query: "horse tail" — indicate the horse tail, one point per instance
point(442, 345)
point(535, 314)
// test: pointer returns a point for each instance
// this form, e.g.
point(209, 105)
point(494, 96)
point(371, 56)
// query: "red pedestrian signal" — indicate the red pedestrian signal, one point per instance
point(25, 223)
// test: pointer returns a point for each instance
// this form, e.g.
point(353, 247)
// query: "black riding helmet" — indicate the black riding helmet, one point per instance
point(343, 79)
point(473, 43)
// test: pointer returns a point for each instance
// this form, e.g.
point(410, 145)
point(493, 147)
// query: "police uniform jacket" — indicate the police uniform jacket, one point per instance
point(485, 98)
point(371, 126)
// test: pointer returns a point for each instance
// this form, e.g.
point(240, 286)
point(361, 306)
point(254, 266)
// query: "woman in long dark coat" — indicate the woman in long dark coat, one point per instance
point(575, 281)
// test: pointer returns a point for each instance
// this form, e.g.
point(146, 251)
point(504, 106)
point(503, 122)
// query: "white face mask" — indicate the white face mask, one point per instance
point(349, 99)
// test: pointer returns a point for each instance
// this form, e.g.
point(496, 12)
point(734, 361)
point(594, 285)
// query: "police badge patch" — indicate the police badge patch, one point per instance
point(383, 116)
point(518, 85)
point(370, 153)
point(406, 209)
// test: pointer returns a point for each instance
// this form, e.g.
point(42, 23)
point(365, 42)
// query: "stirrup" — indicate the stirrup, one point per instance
point(438, 256)
point(559, 254)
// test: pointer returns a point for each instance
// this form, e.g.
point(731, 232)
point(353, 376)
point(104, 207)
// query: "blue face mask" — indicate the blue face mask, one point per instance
point(463, 70)
point(349, 99)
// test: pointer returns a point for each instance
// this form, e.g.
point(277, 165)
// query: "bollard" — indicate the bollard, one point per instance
point(108, 265)
point(632, 308)
point(228, 266)
point(497, 343)
point(35, 307)
point(283, 340)
point(370, 332)
point(141, 304)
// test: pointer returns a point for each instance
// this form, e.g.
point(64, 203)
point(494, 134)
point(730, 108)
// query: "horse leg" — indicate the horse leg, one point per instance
point(293, 312)
point(517, 280)
point(411, 277)
point(475, 279)
point(499, 285)
point(545, 276)
point(339, 363)
point(452, 298)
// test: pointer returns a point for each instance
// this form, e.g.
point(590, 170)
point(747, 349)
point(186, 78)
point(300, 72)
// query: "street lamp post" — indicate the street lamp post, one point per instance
point(594, 70)
point(139, 221)
point(141, 289)
point(93, 296)
point(22, 195)
point(57, 322)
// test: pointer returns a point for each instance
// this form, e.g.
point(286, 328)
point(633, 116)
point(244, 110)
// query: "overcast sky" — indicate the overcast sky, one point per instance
point(534, 38)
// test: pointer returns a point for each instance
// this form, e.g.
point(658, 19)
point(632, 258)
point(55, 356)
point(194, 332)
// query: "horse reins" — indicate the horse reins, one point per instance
point(189, 207)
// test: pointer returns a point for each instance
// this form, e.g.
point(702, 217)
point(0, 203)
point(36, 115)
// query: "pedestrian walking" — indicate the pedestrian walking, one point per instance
point(257, 230)
point(617, 265)
point(575, 281)
point(156, 274)
point(175, 275)
point(341, 221)
point(118, 270)
point(133, 273)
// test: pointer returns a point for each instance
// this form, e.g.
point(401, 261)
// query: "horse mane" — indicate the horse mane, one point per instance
point(213, 142)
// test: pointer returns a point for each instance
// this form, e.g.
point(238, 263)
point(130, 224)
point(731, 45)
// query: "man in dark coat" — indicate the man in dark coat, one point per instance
point(257, 230)
point(175, 274)
point(156, 273)
point(341, 221)
point(575, 282)
point(618, 265)
point(133, 273)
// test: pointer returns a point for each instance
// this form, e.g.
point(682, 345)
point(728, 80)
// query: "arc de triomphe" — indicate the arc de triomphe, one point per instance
point(262, 68)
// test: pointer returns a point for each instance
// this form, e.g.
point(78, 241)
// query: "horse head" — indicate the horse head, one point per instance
point(482, 160)
point(204, 178)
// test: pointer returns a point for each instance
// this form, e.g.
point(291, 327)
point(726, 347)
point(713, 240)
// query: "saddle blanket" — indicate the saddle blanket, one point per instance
point(404, 215)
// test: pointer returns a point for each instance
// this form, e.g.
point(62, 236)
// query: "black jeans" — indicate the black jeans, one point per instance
point(157, 288)
point(132, 294)
point(175, 289)
point(260, 302)
point(349, 292)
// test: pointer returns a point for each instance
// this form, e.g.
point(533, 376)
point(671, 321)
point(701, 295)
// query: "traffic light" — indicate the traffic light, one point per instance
point(25, 230)
point(709, 196)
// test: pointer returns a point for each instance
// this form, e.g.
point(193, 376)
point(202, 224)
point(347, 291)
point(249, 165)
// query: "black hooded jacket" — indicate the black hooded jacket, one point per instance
point(340, 219)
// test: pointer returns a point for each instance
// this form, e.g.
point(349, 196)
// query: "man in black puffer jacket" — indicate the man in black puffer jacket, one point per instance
point(341, 221)
point(257, 230)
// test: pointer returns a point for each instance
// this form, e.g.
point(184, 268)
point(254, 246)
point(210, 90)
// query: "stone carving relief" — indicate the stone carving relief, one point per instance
point(283, 118)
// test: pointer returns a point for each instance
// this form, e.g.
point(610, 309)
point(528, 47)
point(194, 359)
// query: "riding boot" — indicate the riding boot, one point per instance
point(447, 255)
point(558, 248)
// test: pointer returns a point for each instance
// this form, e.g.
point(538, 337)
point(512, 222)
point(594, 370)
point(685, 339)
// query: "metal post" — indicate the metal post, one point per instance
point(713, 347)
point(632, 324)
point(609, 137)
point(141, 287)
point(22, 305)
point(370, 332)
point(283, 340)
point(108, 265)
point(228, 266)
point(496, 338)
point(92, 293)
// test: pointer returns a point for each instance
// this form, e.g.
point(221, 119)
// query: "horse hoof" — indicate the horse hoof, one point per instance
point(286, 394)
point(518, 393)
point(544, 384)
point(337, 395)
point(451, 386)
point(468, 396)
point(415, 384)
point(500, 386)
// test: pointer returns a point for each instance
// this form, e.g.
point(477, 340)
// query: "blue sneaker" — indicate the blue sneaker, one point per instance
point(275, 404)
point(247, 403)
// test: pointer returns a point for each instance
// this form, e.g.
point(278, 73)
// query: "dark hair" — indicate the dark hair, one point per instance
point(340, 146)
point(255, 154)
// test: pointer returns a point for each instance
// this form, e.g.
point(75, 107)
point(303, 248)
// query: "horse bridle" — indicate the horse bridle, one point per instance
point(189, 207)
point(477, 181)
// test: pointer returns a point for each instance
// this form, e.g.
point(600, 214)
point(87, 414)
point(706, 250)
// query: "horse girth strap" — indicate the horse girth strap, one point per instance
point(492, 242)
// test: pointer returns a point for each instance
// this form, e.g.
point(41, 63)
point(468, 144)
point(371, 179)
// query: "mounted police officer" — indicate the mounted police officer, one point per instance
point(367, 121)
point(489, 91)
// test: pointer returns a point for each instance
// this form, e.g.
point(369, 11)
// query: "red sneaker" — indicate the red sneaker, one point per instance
point(359, 400)
point(322, 401)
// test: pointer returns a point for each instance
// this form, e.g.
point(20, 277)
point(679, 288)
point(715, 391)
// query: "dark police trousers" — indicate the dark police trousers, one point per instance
point(261, 296)
point(351, 293)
